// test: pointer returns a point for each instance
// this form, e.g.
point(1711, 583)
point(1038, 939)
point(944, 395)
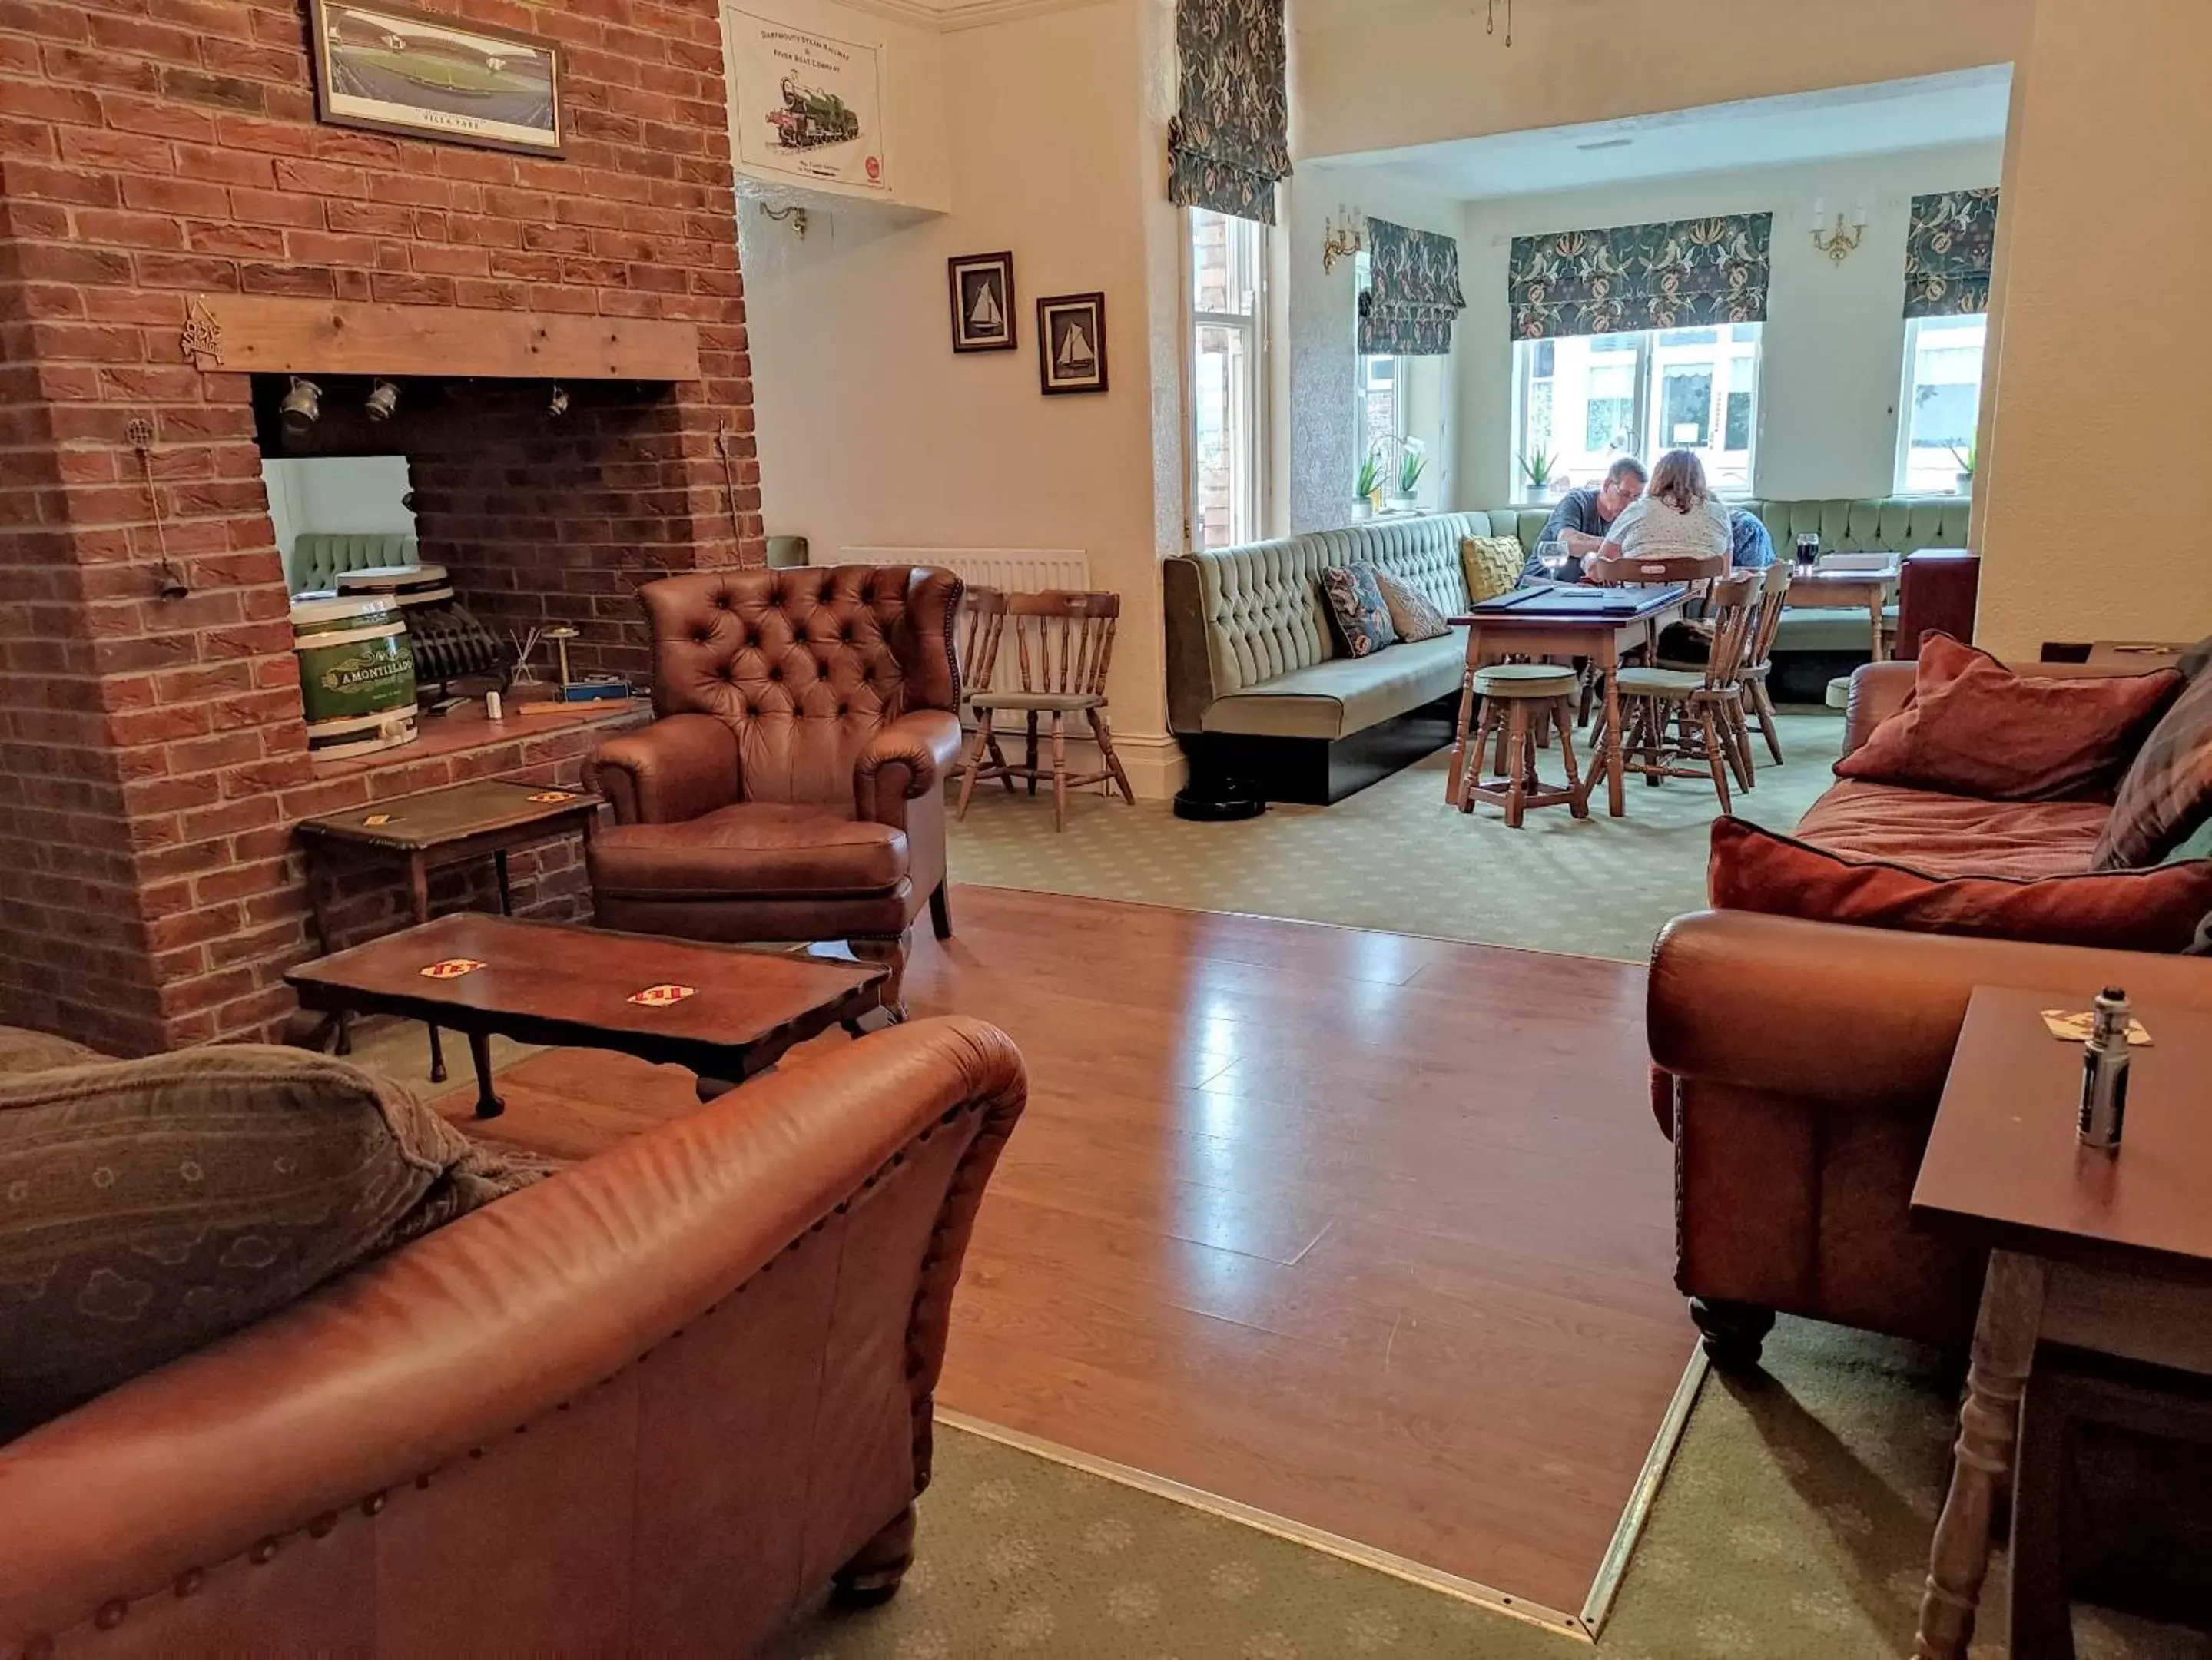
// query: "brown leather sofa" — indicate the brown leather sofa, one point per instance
point(1798, 1068)
point(790, 788)
point(644, 1407)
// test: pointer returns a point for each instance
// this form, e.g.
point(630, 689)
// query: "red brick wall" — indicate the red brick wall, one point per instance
point(152, 149)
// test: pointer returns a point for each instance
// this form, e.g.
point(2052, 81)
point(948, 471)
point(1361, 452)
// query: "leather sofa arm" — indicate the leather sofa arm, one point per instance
point(500, 1319)
point(911, 757)
point(1879, 690)
point(678, 768)
point(1858, 1017)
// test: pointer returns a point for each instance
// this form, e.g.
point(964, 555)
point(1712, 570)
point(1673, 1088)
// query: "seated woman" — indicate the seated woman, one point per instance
point(1679, 516)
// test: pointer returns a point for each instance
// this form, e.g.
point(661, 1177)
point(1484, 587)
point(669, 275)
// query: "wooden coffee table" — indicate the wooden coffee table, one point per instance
point(724, 1011)
point(2110, 1254)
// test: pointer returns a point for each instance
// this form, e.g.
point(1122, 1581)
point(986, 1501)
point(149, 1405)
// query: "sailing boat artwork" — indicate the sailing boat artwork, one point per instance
point(982, 302)
point(1072, 344)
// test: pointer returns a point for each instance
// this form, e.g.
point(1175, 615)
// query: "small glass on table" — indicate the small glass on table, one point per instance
point(1552, 554)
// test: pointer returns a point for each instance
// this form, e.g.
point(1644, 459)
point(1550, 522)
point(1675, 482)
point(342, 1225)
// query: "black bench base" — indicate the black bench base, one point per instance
point(1315, 771)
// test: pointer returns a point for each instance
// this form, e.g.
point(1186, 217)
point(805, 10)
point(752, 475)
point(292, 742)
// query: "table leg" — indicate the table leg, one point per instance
point(1874, 610)
point(1609, 660)
point(418, 887)
point(318, 880)
point(489, 1105)
point(506, 892)
point(1981, 1460)
point(1466, 714)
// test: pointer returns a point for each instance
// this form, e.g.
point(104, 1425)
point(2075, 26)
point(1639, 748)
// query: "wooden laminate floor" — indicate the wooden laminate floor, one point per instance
point(1371, 1232)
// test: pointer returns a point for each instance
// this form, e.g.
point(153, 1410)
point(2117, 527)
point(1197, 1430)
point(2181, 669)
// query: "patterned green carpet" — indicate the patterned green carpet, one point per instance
point(1793, 1525)
point(1394, 857)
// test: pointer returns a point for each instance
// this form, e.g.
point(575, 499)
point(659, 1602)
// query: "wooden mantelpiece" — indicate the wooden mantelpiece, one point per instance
point(246, 333)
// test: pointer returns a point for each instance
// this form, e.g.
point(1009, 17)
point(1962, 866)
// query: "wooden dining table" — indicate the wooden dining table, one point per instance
point(1564, 621)
point(1834, 588)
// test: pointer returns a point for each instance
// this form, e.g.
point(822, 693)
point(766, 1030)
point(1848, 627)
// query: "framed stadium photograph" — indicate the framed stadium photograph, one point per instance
point(393, 68)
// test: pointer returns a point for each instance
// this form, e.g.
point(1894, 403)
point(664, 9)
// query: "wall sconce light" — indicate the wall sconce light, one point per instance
point(558, 404)
point(302, 406)
point(1839, 240)
point(1344, 236)
point(383, 399)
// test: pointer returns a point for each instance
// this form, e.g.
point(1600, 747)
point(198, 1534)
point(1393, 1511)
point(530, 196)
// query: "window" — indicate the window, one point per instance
point(1942, 403)
point(1384, 383)
point(1228, 384)
point(1587, 400)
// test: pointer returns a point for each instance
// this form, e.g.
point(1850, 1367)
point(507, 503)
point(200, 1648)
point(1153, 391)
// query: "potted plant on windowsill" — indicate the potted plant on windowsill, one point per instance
point(1365, 486)
point(1412, 461)
point(1536, 473)
point(1966, 458)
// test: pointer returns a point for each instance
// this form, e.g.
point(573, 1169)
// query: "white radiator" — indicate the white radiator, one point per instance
point(1015, 570)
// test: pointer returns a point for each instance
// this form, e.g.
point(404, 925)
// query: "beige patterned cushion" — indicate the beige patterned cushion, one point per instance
point(148, 1206)
point(1411, 613)
point(1493, 565)
point(25, 1051)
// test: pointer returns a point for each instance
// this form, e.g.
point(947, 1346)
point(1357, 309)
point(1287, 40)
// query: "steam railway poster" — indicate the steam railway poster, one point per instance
point(808, 106)
point(391, 69)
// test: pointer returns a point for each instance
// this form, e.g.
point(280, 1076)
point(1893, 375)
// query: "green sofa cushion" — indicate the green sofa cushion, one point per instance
point(1345, 695)
point(320, 558)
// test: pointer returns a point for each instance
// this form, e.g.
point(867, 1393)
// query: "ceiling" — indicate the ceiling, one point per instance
point(1967, 105)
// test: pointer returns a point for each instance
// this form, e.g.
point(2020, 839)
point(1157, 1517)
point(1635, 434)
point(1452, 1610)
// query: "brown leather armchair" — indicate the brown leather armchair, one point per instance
point(645, 1407)
point(792, 787)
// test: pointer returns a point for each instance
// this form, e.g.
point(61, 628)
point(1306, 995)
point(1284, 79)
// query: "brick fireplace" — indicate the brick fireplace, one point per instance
point(159, 160)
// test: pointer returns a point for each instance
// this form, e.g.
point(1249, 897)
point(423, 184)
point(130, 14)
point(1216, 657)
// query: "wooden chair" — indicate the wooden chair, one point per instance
point(1696, 572)
point(982, 626)
point(1063, 645)
point(1678, 715)
point(1759, 656)
point(1510, 693)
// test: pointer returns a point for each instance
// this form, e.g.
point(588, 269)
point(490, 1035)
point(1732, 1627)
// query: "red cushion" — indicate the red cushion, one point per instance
point(1974, 727)
point(1954, 835)
point(2154, 910)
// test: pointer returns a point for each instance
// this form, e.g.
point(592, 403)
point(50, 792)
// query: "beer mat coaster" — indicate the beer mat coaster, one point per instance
point(451, 968)
point(2069, 1026)
point(550, 797)
point(377, 820)
point(661, 996)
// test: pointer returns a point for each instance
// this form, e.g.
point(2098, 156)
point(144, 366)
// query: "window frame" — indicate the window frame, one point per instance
point(1908, 386)
point(1258, 462)
point(1646, 372)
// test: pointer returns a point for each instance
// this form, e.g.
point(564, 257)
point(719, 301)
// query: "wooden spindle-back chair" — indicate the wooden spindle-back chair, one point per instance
point(1063, 646)
point(1689, 723)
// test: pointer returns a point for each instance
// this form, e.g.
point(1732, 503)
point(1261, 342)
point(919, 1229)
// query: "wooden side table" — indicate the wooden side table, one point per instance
point(2104, 1252)
point(1841, 588)
point(428, 831)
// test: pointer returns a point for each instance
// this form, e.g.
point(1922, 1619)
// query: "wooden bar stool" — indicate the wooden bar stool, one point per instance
point(1511, 693)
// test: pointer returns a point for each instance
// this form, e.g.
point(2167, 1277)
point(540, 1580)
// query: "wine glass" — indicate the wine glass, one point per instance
point(1552, 554)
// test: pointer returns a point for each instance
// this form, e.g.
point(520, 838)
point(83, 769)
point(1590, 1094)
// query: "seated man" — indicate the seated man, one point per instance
point(1583, 516)
point(1751, 548)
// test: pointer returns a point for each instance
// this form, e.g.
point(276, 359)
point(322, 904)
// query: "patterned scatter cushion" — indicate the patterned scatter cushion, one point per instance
point(1355, 600)
point(2167, 793)
point(1411, 614)
point(149, 1206)
point(1492, 564)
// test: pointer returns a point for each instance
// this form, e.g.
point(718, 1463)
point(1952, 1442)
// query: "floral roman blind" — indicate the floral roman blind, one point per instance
point(1413, 295)
point(1684, 273)
point(1949, 248)
point(1230, 140)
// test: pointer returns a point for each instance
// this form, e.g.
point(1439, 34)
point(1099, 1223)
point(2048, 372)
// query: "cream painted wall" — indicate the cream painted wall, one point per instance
point(1832, 352)
point(2113, 126)
point(1375, 74)
point(1322, 339)
point(917, 160)
point(872, 433)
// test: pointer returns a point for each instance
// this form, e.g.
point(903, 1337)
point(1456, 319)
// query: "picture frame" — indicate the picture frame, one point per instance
point(1072, 344)
point(391, 69)
point(980, 286)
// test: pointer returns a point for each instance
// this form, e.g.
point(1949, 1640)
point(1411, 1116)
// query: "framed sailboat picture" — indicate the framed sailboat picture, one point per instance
point(982, 287)
point(1072, 344)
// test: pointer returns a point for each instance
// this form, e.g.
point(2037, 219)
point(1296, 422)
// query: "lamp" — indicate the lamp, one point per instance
point(383, 399)
point(1344, 236)
point(558, 404)
point(302, 406)
point(1839, 241)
